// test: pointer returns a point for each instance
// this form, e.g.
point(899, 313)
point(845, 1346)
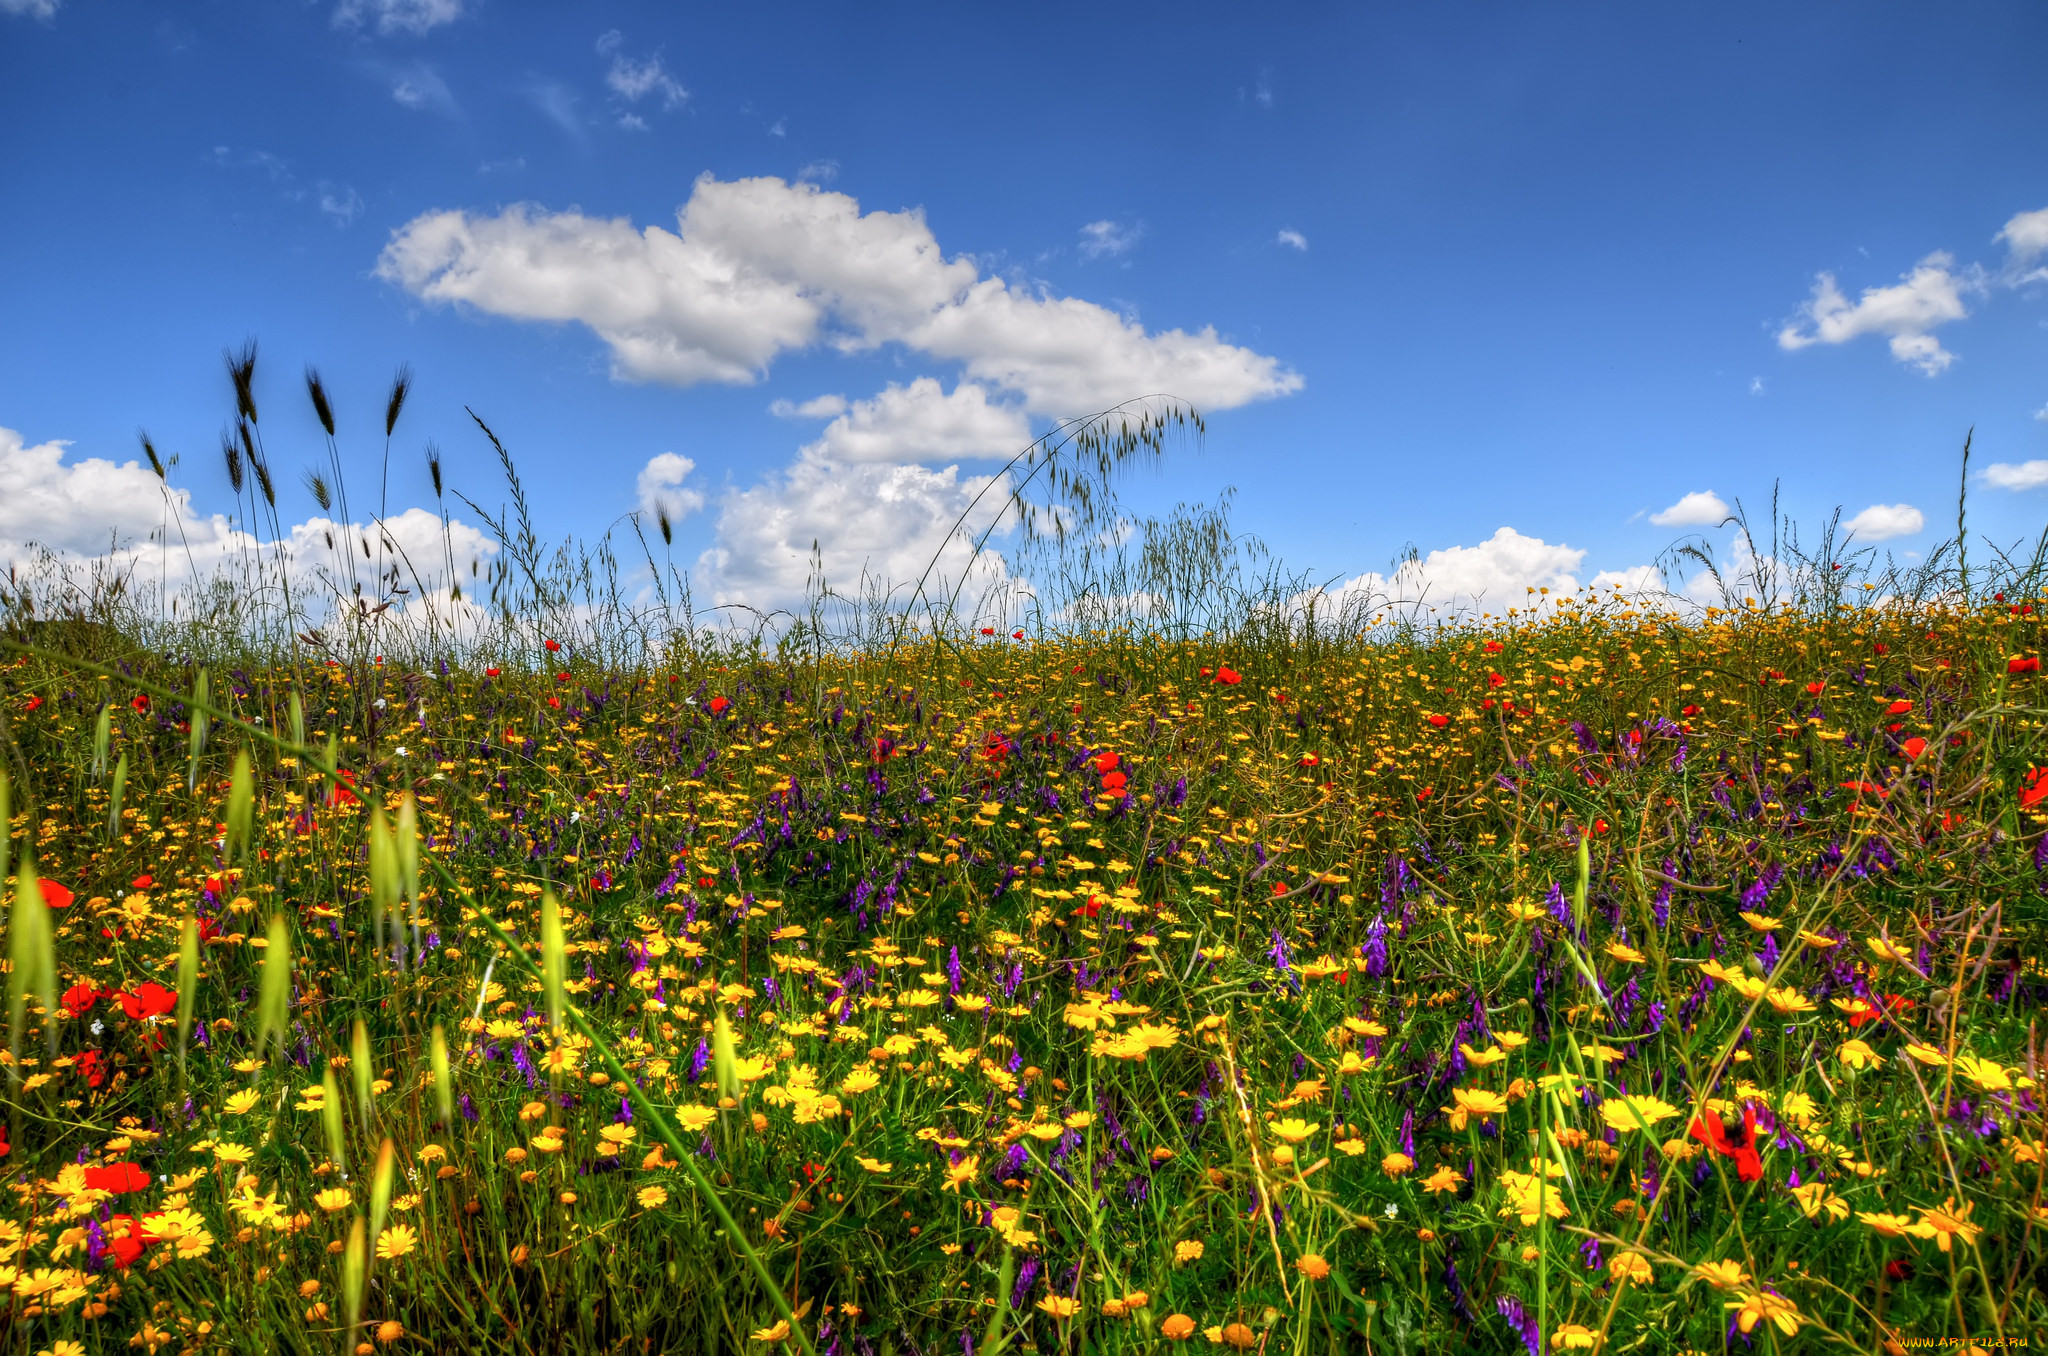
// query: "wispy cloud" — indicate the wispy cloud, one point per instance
point(420, 87)
point(557, 103)
point(1109, 239)
point(397, 16)
point(1292, 238)
point(338, 202)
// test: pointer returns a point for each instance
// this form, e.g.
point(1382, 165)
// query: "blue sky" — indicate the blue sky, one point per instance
point(1467, 266)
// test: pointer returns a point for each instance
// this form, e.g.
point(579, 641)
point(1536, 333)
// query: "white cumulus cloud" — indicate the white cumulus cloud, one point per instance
point(397, 16)
point(2026, 241)
point(1907, 313)
point(759, 267)
point(93, 509)
point(1701, 508)
point(662, 487)
point(1881, 522)
point(817, 407)
point(922, 423)
point(879, 523)
point(2026, 475)
point(1493, 576)
point(84, 507)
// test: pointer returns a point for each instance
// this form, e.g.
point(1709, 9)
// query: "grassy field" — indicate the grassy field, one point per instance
point(1585, 980)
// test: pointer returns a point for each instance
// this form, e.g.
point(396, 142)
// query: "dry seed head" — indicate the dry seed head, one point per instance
point(156, 463)
point(401, 386)
point(242, 373)
point(321, 407)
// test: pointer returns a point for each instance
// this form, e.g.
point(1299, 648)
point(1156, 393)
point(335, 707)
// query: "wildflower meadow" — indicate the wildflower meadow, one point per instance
point(1589, 976)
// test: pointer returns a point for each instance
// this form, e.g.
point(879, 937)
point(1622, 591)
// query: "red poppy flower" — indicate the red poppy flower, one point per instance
point(343, 792)
point(1881, 648)
point(79, 998)
point(1898, 708)
point(561, 677)
point(33, 704)
point(5, 1147)
point(1092, 909)
point(142, 882)
point(1913, 748)
point(553, 645)
point(1105, 762)
point(149, 1000)
point(1690, 710)
point(1709, 1131)
point(1494, 647)
point(1310, 760)
point(492, 673)
point(1439, 720)
point(88, 1063)
point(719, 704)
point(1815, 689)
point(1495, 680)
point(126, 1240)
point(1228, 676)
point(555, 702)
point(988, 630)
point(117, 1178)
point(2030, 664)
point(1016, 635)
point(140, 701)
point(55, 895)
point(1866, 788)
point(1206, 672)
point(1113, 783)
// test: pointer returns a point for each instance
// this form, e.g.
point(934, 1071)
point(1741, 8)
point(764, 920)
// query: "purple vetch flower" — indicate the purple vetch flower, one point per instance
point(953, 968)
point(624, 1115)
point(1759, 891)
point(1280, 960)
point(1453, 1287)
point(469, 1111)
point(1590, 1250)
point(700, 1061)
point(1374, 949)
point(1027, 1277)
point(1523, 1322)
point(1014, 1162)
